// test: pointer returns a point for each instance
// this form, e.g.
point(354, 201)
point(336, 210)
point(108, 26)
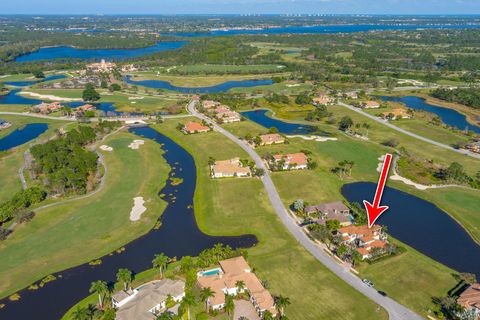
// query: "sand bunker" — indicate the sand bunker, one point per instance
point(48, 96)
point(138, 209)
point(315, 138)
point(136, 144)
point(397, 177)
point(106, 148)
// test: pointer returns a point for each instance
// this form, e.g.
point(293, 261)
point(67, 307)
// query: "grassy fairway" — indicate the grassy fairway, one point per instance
point(214, 68)
point(237, 206)
point(12, 160)
point(67, 235)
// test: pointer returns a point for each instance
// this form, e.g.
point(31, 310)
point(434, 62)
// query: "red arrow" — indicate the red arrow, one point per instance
point(374, 211)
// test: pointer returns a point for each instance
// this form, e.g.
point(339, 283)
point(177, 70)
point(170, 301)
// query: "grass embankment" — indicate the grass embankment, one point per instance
point(239, 206)
point(321, 185)
point(76, 232)
point(12, 160)
point(226, 69)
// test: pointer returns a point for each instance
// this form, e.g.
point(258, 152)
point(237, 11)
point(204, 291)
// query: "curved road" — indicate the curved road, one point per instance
point(395, 310)
point(411, 134)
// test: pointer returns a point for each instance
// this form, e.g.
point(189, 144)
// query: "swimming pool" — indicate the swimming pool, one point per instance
point(210, 272)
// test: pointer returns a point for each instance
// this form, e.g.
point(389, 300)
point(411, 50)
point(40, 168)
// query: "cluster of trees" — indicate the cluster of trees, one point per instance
point(455, 173)
point(21, 201)
point(90, 94)
point(344, 168)
point(320, 112)
point(67, 167)
point(467, 96)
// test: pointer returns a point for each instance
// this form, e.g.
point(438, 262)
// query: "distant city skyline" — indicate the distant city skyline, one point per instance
point(242, 7)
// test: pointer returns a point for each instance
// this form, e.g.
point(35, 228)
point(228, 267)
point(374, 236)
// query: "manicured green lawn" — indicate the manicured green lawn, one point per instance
point(196, 80)
point(238, 206)
point(214, 68)
point(76, 232)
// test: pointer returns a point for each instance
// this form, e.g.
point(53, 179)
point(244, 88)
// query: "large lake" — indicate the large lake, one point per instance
point(423, 226)
point(449, 116)
point(178, 236)
point(222, 87)
point(22, 135)
point(31, 82)
point(97, 54)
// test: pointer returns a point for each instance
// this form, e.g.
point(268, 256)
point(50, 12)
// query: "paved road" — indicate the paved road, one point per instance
point(411, 134)
point(395, 310)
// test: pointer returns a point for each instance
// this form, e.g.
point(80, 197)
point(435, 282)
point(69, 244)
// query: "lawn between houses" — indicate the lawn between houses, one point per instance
point(240, 205)
point(77, 232)
point(321, 185)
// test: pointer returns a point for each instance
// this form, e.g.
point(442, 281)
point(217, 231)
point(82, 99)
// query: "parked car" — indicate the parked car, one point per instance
point(382, 293)
point(368, 282)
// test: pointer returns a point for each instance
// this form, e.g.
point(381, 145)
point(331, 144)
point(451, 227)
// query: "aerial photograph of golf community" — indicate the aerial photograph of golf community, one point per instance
point(240, 160)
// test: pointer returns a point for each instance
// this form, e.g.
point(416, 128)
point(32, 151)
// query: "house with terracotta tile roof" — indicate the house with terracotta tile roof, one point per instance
point(229, 168)
point(470, 299)
point(228, 116)
point(363, 238)
point(371, 105)
point(195, 127)
point(271, 138)
point(223, 281)
point(46, 108)
point(208, 104)
point(323, 99)
point(395, 114)
point(291, 161)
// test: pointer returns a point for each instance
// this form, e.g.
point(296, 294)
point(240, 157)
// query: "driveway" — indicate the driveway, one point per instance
point(244, 308)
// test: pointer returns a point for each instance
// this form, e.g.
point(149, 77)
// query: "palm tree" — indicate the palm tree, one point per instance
point(205, 294)
point(240, 285)
point(80, 314)
point(366, 126)
point(100, 287)
point(281, 303)
point(124, 275)
point(160, 261)
point(267, 315)
point(229, 305)
point(188, 301)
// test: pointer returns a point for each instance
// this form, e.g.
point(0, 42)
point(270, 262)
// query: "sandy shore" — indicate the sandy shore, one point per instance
point(315, 138)
point(48, 97)
point(137, 209)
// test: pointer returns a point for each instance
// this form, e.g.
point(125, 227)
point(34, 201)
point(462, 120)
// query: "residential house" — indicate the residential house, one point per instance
point(323, 99)
point(470, 299)
point(224, 281)
point(147, 301)
point(351, 95)
point(195, 127)
point(271, 138)
point(208, 104)
point(371, 105)
point(228, 116)
point(364, 238)
point(46, 108)
point(395, 114)
point(330, 211)
point(292, 161)
point(474, 146)
point(229, 168)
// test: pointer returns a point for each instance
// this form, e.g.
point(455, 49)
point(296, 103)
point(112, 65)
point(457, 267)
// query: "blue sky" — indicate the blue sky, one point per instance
point(240, 6)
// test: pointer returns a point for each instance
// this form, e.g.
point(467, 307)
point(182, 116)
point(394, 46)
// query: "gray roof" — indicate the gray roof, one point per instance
point(150, 295)
point(328, 208)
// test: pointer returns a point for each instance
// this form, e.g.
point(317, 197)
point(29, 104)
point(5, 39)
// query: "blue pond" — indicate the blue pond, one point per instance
point(448, 116)
point(320, 29)
point(22, 135)
point(29, 83)
point(223, 87)
point(110, 54)
point(13, 98)
point(260, 117)
point(423, 226)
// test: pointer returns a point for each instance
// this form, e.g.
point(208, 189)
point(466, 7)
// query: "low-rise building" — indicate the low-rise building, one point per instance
point(229, 168)
point(195, 127)
point(224, 280)
point(363, 238)
point(228, 116)
point(395, 114)
point(271, 138)
point(46, 108)
point(209, 104)
point(101, 66)
point(147, 301)
point(291, 161)
point(474, 146)
point(323, 99)
point(371, 105)
point(470, 299)
point(330, 211)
